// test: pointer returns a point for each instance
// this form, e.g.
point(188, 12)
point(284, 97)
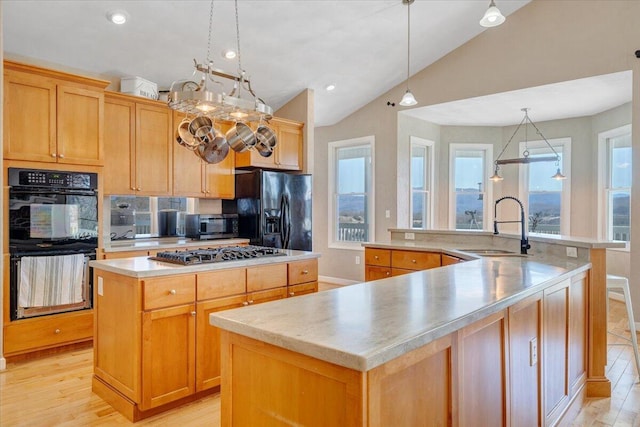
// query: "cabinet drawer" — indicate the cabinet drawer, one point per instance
point(304, 288)
point(381, 257)
point(48, 331)
point(266, 277)
point(221, 283)
point(375, 273)
point(415, 260)
point(168, 291)
point(267, 295)
point(448, 260)
point(303, 271)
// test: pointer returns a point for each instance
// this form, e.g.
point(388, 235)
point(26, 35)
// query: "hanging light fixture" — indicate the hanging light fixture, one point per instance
point(525, 159)
point(197, 98)
point(492, 17)
point(408, 99)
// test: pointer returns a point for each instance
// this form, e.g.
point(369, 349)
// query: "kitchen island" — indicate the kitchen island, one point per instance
point(502, 339)
point(153, 346)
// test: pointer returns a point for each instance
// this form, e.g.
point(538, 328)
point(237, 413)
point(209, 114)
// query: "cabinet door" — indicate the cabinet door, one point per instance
point(119, 146)
point(29, 117)
point(302, 289)
point(220, 178)
point(267, 295)
point(555, 354)
point(289, 148)
point(188, 170)
point(80, 123)
point(577, 332)
point(372, 272)
point(208, 340)
point(168, 355)
point(153, 152)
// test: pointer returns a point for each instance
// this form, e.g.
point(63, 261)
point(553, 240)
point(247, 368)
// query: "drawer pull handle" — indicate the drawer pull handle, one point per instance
point(292, 294)
point(376, 257)
point(388, 273)
point(61, 156)
point(305, 271)
point(172, 292)
point(245, 303)
point(193, 313)
point(413, 261)
point(57, 331)
point(250, 301)
point(53, 155)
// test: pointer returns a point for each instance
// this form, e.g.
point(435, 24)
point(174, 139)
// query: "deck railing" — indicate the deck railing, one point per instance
point(352, 232)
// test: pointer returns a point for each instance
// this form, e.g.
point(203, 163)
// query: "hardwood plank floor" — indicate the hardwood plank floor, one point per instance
point(56, 391)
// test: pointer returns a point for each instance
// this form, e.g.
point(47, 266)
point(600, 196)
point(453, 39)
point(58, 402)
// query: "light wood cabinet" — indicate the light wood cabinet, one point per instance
point(192, 177)
point(138, 320)
point(52, 117)
point(287, 154)
point(449, 260)
point(382, 263)
point(138, 135)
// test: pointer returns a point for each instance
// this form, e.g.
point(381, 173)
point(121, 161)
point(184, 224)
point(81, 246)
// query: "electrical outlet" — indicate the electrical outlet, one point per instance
point(357, 259)
point(533, 351)
point(572, 252)
point(387, 213)
point(409, 236)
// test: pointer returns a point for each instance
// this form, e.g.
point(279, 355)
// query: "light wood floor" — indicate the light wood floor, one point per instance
point(56, 391)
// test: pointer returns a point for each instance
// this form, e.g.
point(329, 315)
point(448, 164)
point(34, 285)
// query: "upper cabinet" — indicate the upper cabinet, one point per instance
point(287, 154)
point(137, 141)
point(193, 177)
point(51, 116)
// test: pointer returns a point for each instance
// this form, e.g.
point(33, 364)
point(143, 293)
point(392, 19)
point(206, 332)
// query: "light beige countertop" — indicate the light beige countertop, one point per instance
point(167, 242)
point(143, 267)
point(365, 325)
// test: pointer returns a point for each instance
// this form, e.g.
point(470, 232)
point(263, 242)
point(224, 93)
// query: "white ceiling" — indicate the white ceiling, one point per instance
point(286, 45)
point(576, 98)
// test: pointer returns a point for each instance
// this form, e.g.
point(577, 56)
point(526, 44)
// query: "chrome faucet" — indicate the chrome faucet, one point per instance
point(524, 242)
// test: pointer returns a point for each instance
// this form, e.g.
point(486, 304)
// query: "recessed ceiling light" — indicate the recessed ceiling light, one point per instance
point(329, 88)
point(229, 54)
point(118, 17)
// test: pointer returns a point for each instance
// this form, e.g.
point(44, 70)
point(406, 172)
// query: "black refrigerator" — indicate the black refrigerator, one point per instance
point(274, 209)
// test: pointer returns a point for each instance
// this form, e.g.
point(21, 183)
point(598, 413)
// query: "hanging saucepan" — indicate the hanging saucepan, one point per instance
point(266, 140)
point(186, 139)
point(241, 138)
point(215, 148)
point(200, 126)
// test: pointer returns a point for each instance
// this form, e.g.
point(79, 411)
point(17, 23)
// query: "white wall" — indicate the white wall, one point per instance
point(544, 42)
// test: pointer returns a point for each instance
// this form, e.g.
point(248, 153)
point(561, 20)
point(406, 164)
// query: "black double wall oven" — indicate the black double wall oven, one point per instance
point(53, 233)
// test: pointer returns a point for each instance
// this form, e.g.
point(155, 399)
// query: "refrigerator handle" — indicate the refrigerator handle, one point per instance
point(287, 222)
point(282, 223)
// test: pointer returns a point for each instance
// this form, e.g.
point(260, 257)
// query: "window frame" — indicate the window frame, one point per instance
point(429, 177)
point(487, 213)
point(604, 178)
point(331, 193)
point(564, 144)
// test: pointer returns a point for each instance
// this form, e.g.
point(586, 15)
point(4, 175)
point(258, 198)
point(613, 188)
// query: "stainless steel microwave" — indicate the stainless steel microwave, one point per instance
point(211, 226)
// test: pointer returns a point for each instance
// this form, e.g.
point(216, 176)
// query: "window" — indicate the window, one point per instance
point(546, 200)
point(615, 158)
point(469, 170)
point(421, 172)
point(351, 196)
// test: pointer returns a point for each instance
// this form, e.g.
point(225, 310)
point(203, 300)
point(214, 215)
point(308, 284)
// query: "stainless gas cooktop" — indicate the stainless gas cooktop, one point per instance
point(209, 255)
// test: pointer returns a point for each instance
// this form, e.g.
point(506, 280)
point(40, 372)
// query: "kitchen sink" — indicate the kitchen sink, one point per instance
point(491, 252)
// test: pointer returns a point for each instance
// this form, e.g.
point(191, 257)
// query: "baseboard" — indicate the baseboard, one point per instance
point(620, 297)
point(3, 363)
point(337, 281)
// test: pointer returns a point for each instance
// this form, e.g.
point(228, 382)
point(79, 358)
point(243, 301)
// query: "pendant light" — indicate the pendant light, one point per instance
point(408, 99)
point(525, 159)
point(492, 17)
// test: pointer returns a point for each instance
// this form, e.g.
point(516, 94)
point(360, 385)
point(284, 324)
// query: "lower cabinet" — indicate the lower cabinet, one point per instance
point(521, 366)
point(153, 343)
point(382, 263)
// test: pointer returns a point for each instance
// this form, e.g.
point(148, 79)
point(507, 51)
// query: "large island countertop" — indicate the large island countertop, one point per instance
point(143, 267)
point(365, 325)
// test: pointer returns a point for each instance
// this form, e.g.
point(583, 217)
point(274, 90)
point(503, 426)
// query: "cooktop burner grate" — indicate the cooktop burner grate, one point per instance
point(210, 255)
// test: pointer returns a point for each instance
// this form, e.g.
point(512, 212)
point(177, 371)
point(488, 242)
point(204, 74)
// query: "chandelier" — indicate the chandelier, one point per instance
point(525, 159)
point(203, 107)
